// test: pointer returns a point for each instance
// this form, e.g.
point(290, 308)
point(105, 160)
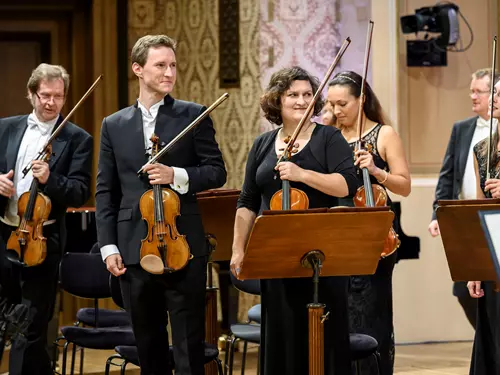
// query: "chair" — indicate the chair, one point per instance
point(94, 316)
point(85, 275)
point(246, 332)
point(128, 353)
point(362, 347)
point(254, 313)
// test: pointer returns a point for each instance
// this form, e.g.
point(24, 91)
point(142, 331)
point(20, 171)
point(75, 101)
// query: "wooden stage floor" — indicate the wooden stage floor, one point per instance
point(422, 359)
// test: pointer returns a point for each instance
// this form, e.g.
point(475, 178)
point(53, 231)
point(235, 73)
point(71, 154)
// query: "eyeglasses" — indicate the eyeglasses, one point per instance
point(478, 92)
point(44, 98)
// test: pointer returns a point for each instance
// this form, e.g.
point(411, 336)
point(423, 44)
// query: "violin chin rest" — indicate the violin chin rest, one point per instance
point(152, 264)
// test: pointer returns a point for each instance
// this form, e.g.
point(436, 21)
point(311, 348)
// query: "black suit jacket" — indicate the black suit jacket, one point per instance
point(453, 168)
point(122, 154)
point(70, 167)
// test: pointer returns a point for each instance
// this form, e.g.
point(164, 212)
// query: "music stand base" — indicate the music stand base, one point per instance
point(314, 259)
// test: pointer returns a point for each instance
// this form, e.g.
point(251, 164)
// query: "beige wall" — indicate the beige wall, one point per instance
point(424, 103)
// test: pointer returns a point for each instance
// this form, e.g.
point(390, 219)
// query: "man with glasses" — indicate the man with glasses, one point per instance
point(65, 180)
point(457, 179)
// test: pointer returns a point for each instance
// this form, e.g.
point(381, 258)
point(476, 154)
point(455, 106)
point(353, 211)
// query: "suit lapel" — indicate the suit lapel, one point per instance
point(465, 144)
point(168, 124)
point(59, 143)
point(15, 137)
point(136, 143)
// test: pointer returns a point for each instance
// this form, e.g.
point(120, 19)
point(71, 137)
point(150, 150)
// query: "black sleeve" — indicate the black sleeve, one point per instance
point(444, 188)
point(340, 160)
point(73, 189)
point(108, 192)
point(250, 196)
point(210, 173)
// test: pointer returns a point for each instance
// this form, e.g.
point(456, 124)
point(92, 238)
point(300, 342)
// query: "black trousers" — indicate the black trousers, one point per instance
point(148, 297)
point(36, 288)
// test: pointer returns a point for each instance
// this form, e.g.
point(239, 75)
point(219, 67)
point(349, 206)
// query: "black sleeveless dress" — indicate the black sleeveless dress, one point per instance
point(370, 296)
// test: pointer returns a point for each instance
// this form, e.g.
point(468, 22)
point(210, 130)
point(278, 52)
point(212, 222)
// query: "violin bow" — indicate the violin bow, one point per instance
point(196, 121)
point(363, 82)
point(288, 148)
point(46, 148)
point(492, 92)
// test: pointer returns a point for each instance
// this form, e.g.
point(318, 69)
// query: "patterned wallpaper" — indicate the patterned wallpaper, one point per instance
point(194, 24)
point(353, 22)
point(297, 32)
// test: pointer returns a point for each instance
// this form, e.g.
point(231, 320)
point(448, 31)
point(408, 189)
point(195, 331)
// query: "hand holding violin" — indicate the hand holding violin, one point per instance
point(159, 174)
point(40, 170)
point(493, 186)
point(290, 171)
point(364, 159)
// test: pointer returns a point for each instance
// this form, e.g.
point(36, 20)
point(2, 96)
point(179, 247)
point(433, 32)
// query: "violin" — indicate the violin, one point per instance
point(26, 245)
point(164, 249)
point(289, 198)
point(369, 195)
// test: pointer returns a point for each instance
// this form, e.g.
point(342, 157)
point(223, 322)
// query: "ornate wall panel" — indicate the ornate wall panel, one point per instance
point(194, 24)
point(297, 32)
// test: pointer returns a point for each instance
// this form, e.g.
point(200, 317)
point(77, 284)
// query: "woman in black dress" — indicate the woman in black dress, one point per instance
point(323, 168)
point(486, 350)
point(370, 297)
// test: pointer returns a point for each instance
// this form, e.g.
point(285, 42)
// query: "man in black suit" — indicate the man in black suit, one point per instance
point(194, 164)
point(457, 179)
point(64, 179)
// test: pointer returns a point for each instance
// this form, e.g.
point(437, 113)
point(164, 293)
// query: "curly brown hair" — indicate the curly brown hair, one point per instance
point(280, 81)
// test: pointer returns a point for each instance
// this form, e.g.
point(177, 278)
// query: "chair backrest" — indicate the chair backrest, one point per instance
point(84, 275)
point(95, 249)
point(116, 291)
point(247, 286)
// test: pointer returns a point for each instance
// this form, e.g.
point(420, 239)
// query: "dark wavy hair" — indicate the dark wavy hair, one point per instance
point(371, 107)
point(270, 101)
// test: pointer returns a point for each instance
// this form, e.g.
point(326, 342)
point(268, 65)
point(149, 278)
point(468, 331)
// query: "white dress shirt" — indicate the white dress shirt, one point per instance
point(181, 178)
point(482, 131)
point(34, 138)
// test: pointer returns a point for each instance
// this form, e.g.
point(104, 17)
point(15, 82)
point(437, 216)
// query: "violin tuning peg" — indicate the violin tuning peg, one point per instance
point(295, 150)
point(287, 139)
point(280, 149)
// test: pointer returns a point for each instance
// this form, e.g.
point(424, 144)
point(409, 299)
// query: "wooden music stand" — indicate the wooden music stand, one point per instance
point(319, 242)
point(463, 239)
point(218, 210)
